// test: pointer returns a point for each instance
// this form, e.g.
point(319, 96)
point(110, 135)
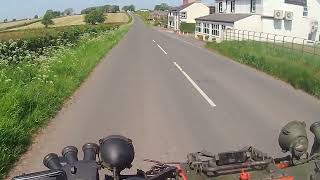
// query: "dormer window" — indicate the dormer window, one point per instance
point(253, 6)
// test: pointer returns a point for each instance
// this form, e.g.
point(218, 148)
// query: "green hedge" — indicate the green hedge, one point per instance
point(32, 92)
point(187, 27)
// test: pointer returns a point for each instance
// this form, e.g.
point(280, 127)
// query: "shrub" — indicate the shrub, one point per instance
point(31, 92)
point(94, 17)
point(15, 51)
point(187, 27)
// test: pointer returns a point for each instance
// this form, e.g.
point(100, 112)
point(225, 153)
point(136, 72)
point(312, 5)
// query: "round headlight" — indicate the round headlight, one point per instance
point(293, 138)
point(117, 152)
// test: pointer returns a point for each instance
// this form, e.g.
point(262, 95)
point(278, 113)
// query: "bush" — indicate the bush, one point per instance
point(31, 92)
point(16, 51)
point(300, 70)
point(94, 17)
point(187, 27)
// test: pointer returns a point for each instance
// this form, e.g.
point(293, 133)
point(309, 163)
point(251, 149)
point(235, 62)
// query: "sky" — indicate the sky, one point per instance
point(20, 9)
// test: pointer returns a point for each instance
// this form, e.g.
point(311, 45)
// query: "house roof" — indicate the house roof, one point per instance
point(230, 18)
point(179, 8)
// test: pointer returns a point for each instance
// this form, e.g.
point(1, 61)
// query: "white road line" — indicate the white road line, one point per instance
point(204, 95)
point(162, 49)
point(154, 41)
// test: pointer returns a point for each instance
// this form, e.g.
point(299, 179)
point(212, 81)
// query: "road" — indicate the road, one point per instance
point(172, 97)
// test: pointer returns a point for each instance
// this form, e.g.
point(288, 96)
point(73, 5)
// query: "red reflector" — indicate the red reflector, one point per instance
point(244, 175)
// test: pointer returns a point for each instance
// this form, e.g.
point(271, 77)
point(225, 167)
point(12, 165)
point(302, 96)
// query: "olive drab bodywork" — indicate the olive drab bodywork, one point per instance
point(300, 165)
point(117, 153)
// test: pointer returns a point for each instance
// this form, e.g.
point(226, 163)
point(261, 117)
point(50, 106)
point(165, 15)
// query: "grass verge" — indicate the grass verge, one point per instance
point(32, 94)
point(302, 71)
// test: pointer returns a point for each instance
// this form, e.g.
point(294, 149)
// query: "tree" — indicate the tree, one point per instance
point(56, 14)
point(132, 8)
point(162, 7)
point(13, 20)
point(129, 8)
point(107, 8)
point(36, 17)
point(68, 12)
point(5, 20)
point(47, 18)
point(115, 8)
point(94, 17)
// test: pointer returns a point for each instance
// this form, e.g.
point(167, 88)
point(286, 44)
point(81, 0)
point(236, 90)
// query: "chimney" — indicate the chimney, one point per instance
point(188, 1)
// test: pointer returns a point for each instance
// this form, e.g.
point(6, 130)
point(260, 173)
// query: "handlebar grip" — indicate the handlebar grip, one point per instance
point(52, 161)
point(70, 153)
point(90, 151)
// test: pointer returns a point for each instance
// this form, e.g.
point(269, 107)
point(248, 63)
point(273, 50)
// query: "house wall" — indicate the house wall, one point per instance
point(251, 23)
point(241, 7)
point(210, 27)
point(173, 18)
point(300, 26)
point(194, 11)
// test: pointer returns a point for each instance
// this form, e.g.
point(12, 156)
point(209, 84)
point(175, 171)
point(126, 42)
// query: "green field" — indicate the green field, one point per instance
point(39, 77)
point(9, 25)
point(301, 70)
point(77, 20)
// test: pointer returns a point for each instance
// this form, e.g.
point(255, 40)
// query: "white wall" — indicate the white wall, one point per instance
point(242, 6)
point(299, 27)
point(194, 11)
point(254, 25)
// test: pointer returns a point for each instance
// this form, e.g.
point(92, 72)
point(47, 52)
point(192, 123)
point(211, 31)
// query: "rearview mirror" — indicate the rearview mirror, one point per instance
point(44, 175)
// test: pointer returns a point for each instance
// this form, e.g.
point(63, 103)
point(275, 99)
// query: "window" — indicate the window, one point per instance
point(220, 7)
point(206, 28)
point(183, 15)
point(233, 5)
point(198, 27)
point(305, 11)
point(253, 6)
point(223, 27)
point(215, 29)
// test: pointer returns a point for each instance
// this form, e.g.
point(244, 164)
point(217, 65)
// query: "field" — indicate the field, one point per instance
point(38, 73)
point(301, 70)
point(8, 25)
point(77, 20)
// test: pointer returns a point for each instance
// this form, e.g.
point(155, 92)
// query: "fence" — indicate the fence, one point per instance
point(294, 43)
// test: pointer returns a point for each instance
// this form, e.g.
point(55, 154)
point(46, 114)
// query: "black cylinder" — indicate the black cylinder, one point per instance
point(315, 129)
point(90, 151)
point(70, 153)
point(52, 161)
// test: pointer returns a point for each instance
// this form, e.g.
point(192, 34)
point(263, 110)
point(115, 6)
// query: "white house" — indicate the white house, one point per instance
point(296, 18)
point(186, 13)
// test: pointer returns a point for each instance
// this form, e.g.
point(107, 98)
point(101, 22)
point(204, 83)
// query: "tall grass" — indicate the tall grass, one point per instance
point(31, 94)
point(302, 71)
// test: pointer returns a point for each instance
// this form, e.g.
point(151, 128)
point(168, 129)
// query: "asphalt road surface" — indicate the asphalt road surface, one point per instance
point(172, 98)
